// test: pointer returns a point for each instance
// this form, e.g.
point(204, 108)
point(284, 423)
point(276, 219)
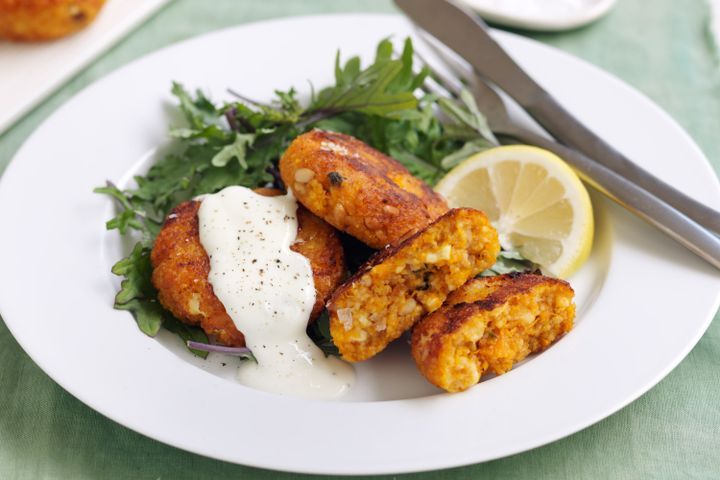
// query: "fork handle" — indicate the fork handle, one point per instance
point(568, 131)
point(665, 217)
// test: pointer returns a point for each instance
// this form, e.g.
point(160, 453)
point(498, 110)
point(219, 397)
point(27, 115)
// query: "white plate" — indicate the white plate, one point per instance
point(543, 15)
point(643, 301)
point(31, 71)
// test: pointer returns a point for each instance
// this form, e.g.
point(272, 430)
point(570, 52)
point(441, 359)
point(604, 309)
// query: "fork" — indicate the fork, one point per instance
point(658, 213)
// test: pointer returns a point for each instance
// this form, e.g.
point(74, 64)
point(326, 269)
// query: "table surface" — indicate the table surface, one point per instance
point(673, 431)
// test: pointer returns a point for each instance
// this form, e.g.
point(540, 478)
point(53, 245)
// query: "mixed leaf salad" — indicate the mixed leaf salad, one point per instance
point(240, 143)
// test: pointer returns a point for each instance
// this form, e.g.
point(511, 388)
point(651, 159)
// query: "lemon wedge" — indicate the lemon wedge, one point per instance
point(533, 198)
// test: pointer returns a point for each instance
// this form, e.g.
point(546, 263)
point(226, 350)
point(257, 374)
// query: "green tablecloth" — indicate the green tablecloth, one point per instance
point(673, 431)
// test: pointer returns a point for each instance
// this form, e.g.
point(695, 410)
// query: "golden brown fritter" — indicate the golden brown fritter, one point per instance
point(357, 189)
point(33, 20)
point(402, 283)
point(181, 267)
point(490, 324)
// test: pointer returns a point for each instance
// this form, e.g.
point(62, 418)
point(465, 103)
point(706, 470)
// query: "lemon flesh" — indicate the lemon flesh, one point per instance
point(533, 198)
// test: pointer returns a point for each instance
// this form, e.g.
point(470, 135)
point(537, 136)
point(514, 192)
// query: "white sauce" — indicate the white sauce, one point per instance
point(268, 291)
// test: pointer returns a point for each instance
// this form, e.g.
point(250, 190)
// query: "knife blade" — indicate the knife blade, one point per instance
point(466, 34)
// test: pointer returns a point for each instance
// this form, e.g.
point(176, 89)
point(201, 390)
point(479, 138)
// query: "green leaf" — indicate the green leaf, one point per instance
point(512, 255)
point(319, 332)
point(479, 120)
point(149, 314)
point(136, 269)
point(289, 105)
point(131, 217)
point(509, 261)
point(420, 168)
point(384, 51)
point(384, 88)
point(212, 134)
point(467, 115)
point(338, 69)
point(406, 80)
point(137, 293)
point(198, 111)
point(346, 75)
point(470, 148)
point(123, 221)
point(115, 193)
point(187, 332)
point(237, 149)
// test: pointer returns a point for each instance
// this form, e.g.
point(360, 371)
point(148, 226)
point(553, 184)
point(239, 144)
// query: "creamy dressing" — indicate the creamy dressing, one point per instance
point(268, 291)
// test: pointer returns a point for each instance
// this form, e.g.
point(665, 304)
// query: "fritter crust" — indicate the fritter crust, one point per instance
point(402, 283)
point(320, 243)
point(34, 20)
point(357, 189)
point(491, 323)
point(181, 267)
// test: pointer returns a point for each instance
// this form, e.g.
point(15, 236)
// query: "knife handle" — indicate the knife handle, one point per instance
point(639, 201)
point(571, 132)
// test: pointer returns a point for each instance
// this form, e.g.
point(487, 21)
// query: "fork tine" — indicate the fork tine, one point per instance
point(451, 85)
point(436, 83)
point(433, 88)
point(465, 73)
point(490, 103)
point(448, 58)
point(486, 99)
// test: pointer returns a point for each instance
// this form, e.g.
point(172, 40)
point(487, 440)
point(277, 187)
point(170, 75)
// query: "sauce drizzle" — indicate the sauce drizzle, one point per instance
point(268, 291)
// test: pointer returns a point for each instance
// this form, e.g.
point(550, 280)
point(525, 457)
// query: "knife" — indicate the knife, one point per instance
point(466, 34)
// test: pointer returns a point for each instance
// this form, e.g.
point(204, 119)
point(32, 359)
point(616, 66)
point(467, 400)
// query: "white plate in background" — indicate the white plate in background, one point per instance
point(643, 301)
point(543, 15)
point(33, 70)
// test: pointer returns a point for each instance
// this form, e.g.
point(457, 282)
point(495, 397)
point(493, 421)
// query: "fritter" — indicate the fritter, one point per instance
point(34, 20)
point(357, 189)
point(181, 267)
point(402, 283)
point(491, 323)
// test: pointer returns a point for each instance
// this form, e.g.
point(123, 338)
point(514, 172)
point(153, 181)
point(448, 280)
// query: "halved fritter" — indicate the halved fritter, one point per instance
point(402, 283)
point(491, 323)
point(357, 189)
point(181, 267)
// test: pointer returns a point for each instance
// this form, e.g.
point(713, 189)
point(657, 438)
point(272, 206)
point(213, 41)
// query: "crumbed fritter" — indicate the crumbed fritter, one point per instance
point(181, 267)
point(357, 189)
point(320, 243)
point(402, 283)
point(34, 20)
point(490, 324)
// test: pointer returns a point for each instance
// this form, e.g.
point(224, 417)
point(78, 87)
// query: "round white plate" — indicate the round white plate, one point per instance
point(643, 301)
point(543, 15)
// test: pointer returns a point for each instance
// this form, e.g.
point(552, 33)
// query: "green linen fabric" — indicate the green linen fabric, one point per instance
point(673, 431)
